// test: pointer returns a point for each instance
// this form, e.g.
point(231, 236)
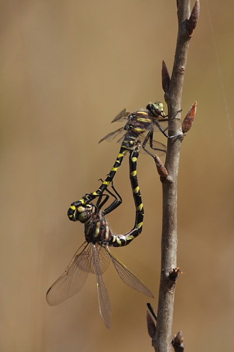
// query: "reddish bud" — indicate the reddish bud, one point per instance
point(189, 118)
point(162, 171)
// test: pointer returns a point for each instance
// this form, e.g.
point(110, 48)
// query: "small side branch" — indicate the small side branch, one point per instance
point(178, 342)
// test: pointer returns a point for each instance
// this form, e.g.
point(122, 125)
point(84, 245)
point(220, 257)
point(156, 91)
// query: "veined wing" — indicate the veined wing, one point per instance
point(128, 277)
point(103, 259)
point(121, 132)
point(110, 136)
point(123, 115)
point(74, 277)
point(103, 297)
point(160, 148)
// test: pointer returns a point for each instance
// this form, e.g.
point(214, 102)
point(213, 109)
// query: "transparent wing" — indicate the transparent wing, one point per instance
point(109, 137)
point(121, 133)
point(103, 259)
point(123, 115)
point(128, 277)
point(103, 297)
point(74, 277)
point(160, 148)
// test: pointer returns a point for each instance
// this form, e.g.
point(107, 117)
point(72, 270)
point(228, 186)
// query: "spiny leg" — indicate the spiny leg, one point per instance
point(117, 199)
point(101, 201)
point(150, 137)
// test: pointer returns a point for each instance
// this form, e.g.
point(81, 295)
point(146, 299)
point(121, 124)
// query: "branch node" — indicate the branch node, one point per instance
point(173, 275)
point(189, 118)
point(168, 179)
point(181, 69)
point(191, 23)
point(162, 171)
point(178, 342)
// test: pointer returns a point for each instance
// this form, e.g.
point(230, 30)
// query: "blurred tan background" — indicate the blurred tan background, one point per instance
point(67, 68)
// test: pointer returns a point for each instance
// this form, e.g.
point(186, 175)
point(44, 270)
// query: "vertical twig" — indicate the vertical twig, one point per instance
point(162, 340)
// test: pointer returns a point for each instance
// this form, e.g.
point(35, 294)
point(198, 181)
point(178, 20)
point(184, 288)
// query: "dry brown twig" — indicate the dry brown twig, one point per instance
point(162, 333)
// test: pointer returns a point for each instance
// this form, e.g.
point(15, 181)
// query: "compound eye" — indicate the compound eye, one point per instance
point(160, 106)
point(84, 213)
point(83, 217)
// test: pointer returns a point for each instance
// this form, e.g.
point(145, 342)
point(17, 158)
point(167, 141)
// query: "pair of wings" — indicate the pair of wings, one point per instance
point(121, 132)
point(92, 258)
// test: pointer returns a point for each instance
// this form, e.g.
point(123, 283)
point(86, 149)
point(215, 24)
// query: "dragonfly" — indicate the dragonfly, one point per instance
point(140, 125)
point(94, 255)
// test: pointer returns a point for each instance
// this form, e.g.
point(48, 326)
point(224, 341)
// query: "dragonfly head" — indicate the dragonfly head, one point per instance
point(80, 213)
point(156, 109)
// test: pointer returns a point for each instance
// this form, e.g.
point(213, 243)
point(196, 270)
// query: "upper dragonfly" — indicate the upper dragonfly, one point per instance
point(140, 124)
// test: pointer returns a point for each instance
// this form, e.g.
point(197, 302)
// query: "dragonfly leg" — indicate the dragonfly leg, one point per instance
point(164, 130)
point(101, 202)
point(150, 137)
point(116, 203)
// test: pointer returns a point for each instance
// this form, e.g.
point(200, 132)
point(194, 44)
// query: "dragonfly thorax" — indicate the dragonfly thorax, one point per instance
point(137, 124)
point(97, 229)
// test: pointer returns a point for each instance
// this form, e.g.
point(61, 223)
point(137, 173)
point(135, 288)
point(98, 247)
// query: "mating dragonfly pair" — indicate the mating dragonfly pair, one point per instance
point(94, 255)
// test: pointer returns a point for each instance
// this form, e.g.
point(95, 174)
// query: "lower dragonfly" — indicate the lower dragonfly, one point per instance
point(140, 124)
point(94, 255)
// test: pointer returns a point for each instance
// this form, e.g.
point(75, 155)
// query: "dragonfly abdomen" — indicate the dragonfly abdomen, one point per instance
point(124, 240)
